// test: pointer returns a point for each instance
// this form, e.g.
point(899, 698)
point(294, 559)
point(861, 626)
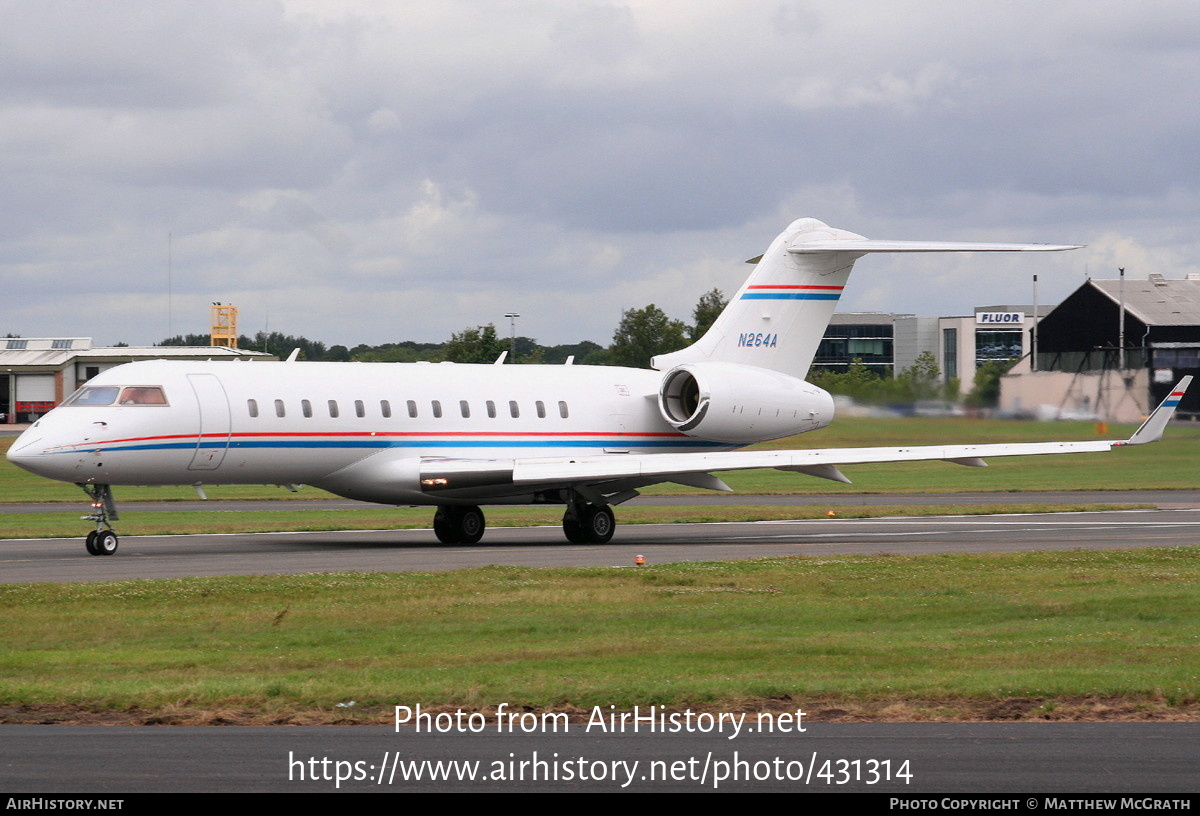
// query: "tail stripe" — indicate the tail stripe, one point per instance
point(792, 292)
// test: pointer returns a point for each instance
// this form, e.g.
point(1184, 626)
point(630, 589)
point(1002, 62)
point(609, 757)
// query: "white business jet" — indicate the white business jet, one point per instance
point(459, 436)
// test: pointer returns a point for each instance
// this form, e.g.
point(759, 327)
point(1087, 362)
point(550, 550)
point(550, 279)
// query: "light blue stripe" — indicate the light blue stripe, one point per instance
point(788, 296)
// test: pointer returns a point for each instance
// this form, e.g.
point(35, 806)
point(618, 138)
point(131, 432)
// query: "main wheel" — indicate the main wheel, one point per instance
point(470, 524)
point(442, 527)
point(598, 523)
point(90, 543)
point(106, 543)
point(573, 529)
point(459, 525)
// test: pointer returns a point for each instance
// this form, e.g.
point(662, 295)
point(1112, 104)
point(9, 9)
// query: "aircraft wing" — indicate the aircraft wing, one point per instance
point(625, 470)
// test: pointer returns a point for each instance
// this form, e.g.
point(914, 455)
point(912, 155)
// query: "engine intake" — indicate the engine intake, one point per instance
point(728, 402)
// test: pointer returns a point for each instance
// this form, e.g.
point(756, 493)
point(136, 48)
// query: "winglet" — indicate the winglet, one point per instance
point(1152, 428)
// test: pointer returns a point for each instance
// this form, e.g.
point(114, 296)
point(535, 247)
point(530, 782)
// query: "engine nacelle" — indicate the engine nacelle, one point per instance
point(728, 402)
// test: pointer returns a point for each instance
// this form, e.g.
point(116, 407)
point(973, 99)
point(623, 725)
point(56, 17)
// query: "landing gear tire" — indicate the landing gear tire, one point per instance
point(105, 543)
point(590, 524)
point(459, 525)
point(102, 540)
point(598, 524)
point(573, 530)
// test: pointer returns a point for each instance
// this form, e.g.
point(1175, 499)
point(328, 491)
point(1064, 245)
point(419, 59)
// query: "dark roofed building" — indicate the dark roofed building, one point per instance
point(1156, 311)
point(1080, 340)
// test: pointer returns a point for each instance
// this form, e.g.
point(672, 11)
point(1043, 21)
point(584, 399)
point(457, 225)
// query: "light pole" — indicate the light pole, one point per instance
point(1121, 324)
point(512, 325)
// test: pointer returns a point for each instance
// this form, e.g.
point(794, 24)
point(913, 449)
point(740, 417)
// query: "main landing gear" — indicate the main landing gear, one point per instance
point(459, 525)
point(102, 540)
point(583, 523)
point(586, 523)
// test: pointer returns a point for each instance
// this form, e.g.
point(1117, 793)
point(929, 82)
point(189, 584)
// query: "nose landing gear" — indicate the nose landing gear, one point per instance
point(102, 540)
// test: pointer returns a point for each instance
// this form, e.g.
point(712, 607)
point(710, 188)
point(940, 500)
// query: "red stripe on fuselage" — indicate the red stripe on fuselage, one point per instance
point(417, 434)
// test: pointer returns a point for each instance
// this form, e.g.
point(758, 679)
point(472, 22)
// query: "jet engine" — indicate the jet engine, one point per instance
point(740, 404)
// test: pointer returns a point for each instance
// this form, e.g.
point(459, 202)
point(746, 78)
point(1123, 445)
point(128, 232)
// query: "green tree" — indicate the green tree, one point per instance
point(708, 308)
point(920, 380)
point(580, 351)
point(642, 334)
point(477, 345)
point(986, 393)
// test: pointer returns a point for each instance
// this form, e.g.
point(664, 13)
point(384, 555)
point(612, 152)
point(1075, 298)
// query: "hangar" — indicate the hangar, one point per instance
point(1111, 350)
point(37, 373)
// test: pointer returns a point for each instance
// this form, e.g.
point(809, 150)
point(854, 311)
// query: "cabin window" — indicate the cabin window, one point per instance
point(541, 409)
point(252, 407)
point(279, 411)
point(437, 408)
point(514, 409)
point(465, 407)
point(360, 410)
point(306, 408)
point(562, 409)
point(385, 408)
point(412, 408)
point(491, 409)
point(333, 409)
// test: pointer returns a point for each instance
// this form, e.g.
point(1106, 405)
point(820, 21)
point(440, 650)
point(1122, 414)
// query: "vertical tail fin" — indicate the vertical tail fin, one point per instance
point(778, 317)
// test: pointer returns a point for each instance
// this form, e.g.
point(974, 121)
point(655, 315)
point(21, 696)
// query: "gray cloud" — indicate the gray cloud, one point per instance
point(385, 171)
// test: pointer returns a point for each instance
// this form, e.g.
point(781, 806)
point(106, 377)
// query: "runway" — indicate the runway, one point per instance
point(64, 560)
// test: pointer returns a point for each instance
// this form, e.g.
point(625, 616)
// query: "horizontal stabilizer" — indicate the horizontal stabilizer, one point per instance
point(864, 246)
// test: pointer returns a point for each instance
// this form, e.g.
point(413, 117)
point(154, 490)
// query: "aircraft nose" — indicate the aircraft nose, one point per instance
point(31, 451)
point(25, 450)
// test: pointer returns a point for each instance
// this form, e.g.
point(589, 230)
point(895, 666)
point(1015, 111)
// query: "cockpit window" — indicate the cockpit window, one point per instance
point(118, 395)
point(142, 395)
point(93, 395)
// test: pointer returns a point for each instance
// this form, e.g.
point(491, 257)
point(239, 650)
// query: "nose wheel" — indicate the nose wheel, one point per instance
point(102, 540)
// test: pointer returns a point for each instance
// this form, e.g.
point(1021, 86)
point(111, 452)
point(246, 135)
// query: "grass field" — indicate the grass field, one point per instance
point(932, 637)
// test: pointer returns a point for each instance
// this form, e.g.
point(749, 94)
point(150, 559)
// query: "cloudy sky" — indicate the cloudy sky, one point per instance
point(364, 172)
